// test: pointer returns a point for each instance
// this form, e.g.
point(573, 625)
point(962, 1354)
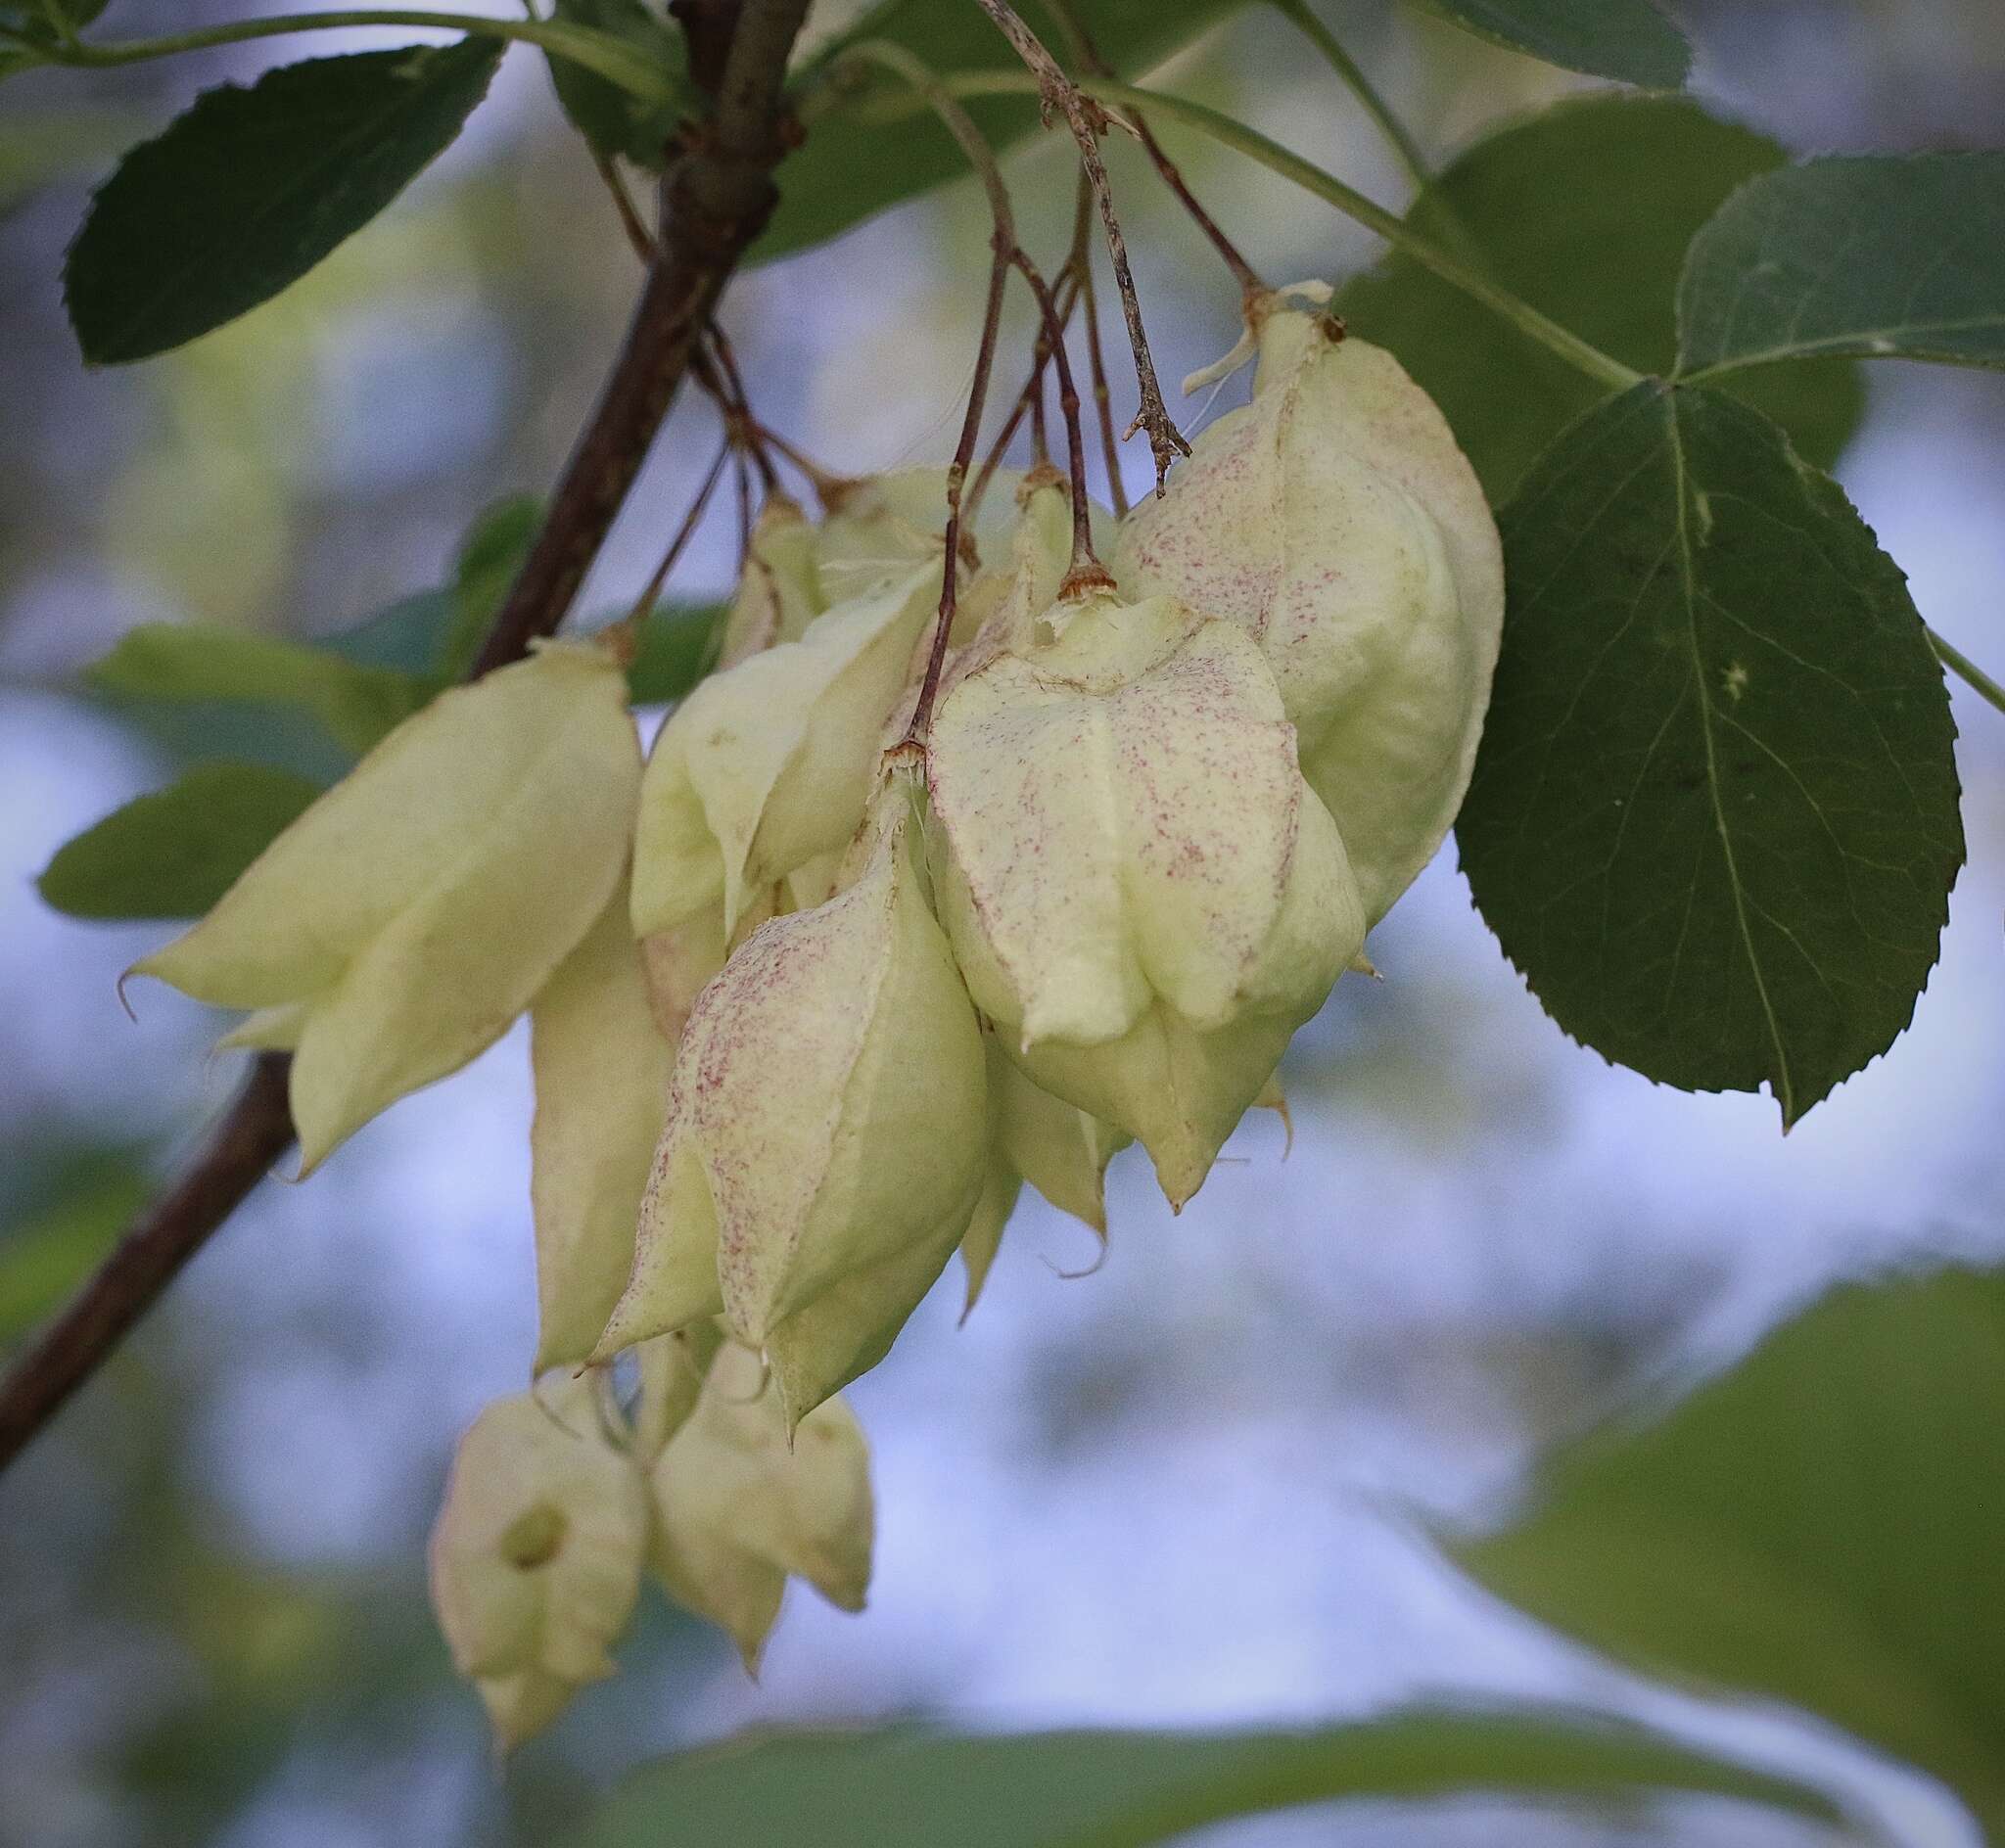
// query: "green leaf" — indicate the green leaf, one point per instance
point(1821, 1525)
point(1585, 210)
point(251, 188)
point(408, 635)
point(1628, 40)
point(851, 169)
point(1874, 255)
point(174, 853)
point(1714, 819)
point(489, 557)
point(47, 1251)
point(914, 1790)
point(615, 121)
point(355, 705)
point(677, 645)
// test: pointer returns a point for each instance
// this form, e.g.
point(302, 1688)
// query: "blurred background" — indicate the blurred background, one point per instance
point(1192, 1488)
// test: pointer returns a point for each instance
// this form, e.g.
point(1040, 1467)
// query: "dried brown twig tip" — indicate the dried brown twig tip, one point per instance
point(1087, 121)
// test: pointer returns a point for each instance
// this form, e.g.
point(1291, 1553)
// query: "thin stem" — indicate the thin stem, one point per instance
point(685, 532)
point(1087, 53)
point(1411, 155)
point(1056, 89)
point(639, 235)
point(1967, 670)
point(1085, 569)
point(1033, 387)
point(1095, 358)
point(1333, 191)
point(600, 52)
point(920, 77)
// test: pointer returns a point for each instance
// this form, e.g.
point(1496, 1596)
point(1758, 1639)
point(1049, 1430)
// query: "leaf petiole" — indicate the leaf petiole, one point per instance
point(1967, 670)
point(1224, 129)
point(598, 52)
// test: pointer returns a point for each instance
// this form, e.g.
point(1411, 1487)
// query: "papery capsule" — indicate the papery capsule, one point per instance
point(1336, 520)
point(770, 765)
point(780, 588)
point(742, 1502)
point(398, 926)
point(825, 1114)
point(537, 1554)
point(1140, 888)
point(601, 1069)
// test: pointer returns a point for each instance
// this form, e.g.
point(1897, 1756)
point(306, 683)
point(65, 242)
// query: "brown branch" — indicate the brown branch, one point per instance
point(1086, 120)
point(716, 200)
point(1085, 569)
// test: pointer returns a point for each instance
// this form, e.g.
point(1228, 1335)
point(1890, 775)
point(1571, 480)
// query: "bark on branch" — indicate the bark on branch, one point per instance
point(716, 200)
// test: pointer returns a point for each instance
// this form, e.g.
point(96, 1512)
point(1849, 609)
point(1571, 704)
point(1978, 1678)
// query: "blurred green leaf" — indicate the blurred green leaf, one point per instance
point(408, 635)
point(1715, 816)
point(489, 557)
point(1628, 40)
point(355, 705)
point(615, 121)
point(914, 1790)
point(1585, 210)
point(251, 188)
point(174, 853)
point(1872, 254)
point(45, 1253)
point(1821, 1525)
point(40, 145)
point(677, 648)
point(851, 170)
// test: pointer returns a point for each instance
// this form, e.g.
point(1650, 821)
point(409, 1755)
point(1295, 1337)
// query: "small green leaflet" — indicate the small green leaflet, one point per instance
point(677, 648)
point(1820, 1525)
point(614, 121)
point(1628, 40)
point(174, 853)
point(251, 188)
point(852, 167)
point(906, 1788)
point(1714, 820)
point(489, 557)
point(1585, 210)
point(354, 705)
point(1873, 255)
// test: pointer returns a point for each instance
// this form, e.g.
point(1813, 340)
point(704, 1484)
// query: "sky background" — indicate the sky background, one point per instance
point(1194, 1486)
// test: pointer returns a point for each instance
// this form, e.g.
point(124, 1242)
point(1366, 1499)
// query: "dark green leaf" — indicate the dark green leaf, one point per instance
point(913, 1789)
point(489, 557)
point(614, 121)
point(1821, 1525)
point(1874, 255)
point(69, 12)
point(850, 169)
point(1714, 819)
point(678, 644)
point(252, 187)
point(1585, 210)
point(355, 705)
point(1628, 40)
point(175, 852)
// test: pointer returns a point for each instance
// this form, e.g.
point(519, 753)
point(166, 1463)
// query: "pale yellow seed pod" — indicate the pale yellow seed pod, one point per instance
point(741, 1503)
point(537, 1554)
point(1336, 520)
point(769, 765)
point(601, 1072)
point(825, 1115)
point(1140, 888)
point(779, 589)
point(397, 928)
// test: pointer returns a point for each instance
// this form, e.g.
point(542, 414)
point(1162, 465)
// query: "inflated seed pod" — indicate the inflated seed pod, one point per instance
point(1336, 520)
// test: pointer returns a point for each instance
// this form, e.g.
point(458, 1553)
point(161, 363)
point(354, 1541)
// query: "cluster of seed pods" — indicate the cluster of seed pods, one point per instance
point(811, 999)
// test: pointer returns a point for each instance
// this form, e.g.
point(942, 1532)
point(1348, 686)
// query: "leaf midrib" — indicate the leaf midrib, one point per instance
point(1785, 1087)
